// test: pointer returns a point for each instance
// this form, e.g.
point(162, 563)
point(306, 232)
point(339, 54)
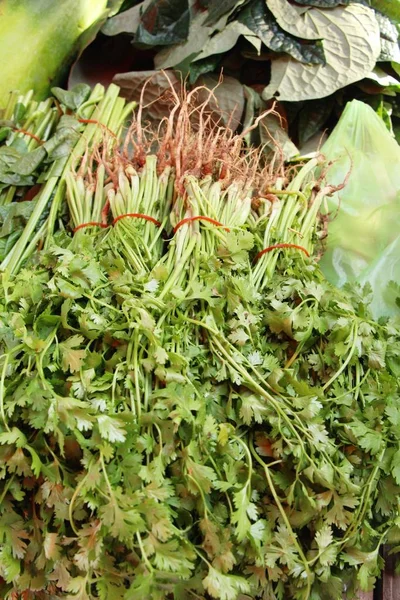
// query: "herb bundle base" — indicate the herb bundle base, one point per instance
point(188, 409)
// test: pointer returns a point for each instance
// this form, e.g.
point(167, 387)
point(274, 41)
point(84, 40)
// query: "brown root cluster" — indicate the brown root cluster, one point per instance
point(193, 142)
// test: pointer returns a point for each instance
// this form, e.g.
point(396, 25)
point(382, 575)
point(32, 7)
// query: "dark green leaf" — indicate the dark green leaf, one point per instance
point(4, 132)
point(217, 9)
point(313, 117)
point(203, 66)
point(164, 22)
point(257, 17)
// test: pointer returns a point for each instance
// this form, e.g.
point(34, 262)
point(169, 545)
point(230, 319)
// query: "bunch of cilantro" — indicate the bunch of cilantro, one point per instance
point(199, 414)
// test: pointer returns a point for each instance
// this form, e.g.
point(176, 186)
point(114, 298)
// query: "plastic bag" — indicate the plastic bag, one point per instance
point(363, 243)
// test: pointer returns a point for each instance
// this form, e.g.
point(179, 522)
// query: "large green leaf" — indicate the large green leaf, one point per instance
point(39, 39)
point(290, 19)
point(262, 22)
point(164, 22)
point(351, 42)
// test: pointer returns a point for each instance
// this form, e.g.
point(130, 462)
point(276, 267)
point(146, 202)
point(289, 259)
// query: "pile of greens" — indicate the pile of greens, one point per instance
point(188, 409)
point(310, 55)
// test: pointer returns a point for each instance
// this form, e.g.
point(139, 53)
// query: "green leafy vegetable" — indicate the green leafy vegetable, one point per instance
point(187, 407)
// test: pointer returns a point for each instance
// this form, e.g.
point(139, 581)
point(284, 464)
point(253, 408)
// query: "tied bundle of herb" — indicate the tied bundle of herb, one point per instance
point(188, 409)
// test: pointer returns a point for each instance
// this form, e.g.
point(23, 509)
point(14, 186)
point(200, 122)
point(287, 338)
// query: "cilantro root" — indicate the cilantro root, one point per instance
point(177, 419)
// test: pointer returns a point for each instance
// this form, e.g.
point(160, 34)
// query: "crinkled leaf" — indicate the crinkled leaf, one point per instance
point(198, 37)
point(390, 50)
point(262, 22)
point(290, 19)
point(351, 45)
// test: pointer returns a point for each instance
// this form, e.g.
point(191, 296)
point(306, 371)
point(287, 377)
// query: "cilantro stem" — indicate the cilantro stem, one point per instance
point(284, 517)
point(2, 390)
point(6, 488)
point(73, 500)
point(201, 494)
point(348, 359)
point(136, 375)
point(103, 466)
point(144, 555)
point(366, 494)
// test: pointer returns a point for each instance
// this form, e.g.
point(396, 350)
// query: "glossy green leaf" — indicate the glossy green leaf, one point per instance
point(262, 22)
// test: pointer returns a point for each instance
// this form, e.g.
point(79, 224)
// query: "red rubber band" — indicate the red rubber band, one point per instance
point(91, 224)
point(137, 216)
point(29, 134)
point(270, 248)
point(94, 122)
point(199, 218)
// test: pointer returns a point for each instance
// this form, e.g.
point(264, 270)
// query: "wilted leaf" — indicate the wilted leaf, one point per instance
point(274, 136)
point(227, 100)
point(262, 22)
point(72, 358)
point(164, 22)
point(156, 93)
point(383, 79)
point(351, 44)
